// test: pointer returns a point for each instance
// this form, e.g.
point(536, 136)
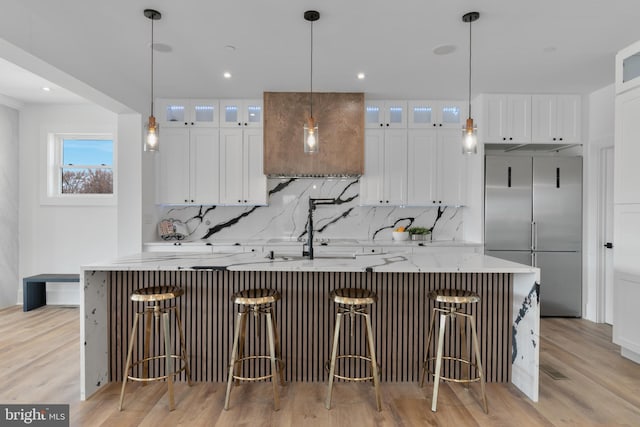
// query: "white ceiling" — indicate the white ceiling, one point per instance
point(535, 46)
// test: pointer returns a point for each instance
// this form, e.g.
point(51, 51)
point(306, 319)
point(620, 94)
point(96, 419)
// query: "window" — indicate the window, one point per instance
point(80, 168)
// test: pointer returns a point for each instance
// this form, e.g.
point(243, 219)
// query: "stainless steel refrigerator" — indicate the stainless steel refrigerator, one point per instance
point(533, 215)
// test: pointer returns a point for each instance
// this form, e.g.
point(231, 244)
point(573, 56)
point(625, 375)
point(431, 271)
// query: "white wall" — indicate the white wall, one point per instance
point(601, 106)
point(59, 239)
point(9, 123)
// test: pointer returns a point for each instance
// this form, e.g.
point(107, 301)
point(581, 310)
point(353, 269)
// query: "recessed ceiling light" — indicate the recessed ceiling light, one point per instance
point(230, 48)
point(227, 75)
point(444, 49)
point(46, 89)
point(361, 76)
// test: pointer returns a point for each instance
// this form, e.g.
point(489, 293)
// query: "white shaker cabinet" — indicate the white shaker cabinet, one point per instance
point(436, 114)
point(241, 113)
point(385, 114)
point(556, 118)
point(507, 119)
point(384, 182)
point(436, 168)
point(187, 113)
point(188, 169)
point(242, 181)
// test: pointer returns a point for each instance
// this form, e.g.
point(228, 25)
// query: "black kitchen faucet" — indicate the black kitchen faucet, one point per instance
point(312, 206)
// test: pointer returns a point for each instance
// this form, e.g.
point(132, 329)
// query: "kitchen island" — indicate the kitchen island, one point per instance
point(507, 316)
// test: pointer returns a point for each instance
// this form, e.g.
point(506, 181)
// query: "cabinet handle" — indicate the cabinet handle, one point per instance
point(554, 139)
point(560, 139)
point(510, 139)
point(239, 201)
point(380, 201)
point(387, 201)
point(186, 124)
point(192, 123)
point(245, 124)
point(245, 201)
point(434, 125)
point(191, 200)
point(504, 139)
point(239, 124)
point(381, 125)
point(185, 200)
point(440, 125)
point(387, 124)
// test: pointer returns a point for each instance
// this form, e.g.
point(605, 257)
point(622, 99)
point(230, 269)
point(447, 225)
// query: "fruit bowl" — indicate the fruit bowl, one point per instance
point(400, 235)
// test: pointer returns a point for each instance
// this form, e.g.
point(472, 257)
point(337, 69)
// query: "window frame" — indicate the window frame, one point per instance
point(52, 194)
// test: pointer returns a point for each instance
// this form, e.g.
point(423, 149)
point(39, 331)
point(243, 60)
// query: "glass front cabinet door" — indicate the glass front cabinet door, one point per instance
point(436, 114)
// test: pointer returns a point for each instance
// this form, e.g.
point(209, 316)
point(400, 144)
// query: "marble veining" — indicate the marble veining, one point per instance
point(532, 300)
point(286, 215)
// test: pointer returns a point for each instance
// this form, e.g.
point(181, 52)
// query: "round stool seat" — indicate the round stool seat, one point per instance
point(454, 296)
point(256, 296)
point(156, 293)
point(353, 296)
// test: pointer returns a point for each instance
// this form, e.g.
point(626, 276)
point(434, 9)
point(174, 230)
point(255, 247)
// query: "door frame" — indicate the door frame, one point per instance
point(603, 176)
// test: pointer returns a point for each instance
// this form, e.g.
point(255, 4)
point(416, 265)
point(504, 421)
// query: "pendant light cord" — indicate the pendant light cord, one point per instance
point(311, 82)
point(470, 23)
point(152, 19)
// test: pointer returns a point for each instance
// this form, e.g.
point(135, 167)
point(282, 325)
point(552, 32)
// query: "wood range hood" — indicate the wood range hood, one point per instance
point(340, 119)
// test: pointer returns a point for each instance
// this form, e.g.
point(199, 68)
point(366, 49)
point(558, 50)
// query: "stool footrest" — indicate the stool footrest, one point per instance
point(163, 377)
point(327, 367)
point(280, 363)
point(456, 380)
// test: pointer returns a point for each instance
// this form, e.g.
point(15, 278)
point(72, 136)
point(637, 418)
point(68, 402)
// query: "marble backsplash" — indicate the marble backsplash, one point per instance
point(287, 213)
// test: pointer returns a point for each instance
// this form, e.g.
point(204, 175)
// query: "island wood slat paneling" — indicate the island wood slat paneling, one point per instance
point(306, 318)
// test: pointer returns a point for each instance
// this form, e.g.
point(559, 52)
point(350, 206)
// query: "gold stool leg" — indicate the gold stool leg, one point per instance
point(334, 354)
point(465, 372)
point(374, 363)
point(272, 353)
point(425, 365)
point(232, 362)
point(169, 367)
point(436, 380)
point(476, 348)
point(127, 364)
point(243, 339)
point(148, 320)
point(183, 348)
point(278, 350)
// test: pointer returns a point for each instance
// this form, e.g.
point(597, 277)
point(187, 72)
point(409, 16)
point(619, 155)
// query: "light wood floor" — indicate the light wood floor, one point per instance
point(583, 382)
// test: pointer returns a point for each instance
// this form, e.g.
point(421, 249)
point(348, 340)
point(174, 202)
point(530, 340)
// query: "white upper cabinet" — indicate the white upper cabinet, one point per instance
point(188, 171)
point(556, 118)
point(507, 119)
point(384, 182)
point(187, 112)
point(242, 180)
point(436, 114)
point(385, 114)
point(236, 113)
point(436, 168)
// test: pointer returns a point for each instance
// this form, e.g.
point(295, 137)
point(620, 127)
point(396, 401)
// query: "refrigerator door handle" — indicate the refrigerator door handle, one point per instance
point(533, 259)
point(534, 236)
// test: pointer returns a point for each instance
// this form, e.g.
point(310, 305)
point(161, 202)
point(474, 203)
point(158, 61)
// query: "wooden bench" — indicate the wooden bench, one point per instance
point(34, 293)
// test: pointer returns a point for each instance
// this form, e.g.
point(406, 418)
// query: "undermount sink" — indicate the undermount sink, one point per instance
point(315, 256)
point(316, 241)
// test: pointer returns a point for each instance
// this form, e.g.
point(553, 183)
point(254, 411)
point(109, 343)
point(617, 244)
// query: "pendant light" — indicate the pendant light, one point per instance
point(311, 127)
point(151, 142)
point(469, 137)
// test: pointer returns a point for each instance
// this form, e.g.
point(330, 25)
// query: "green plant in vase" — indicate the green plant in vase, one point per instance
point(419, 233)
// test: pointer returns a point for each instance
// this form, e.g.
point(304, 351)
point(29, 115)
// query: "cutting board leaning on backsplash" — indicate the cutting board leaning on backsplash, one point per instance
point(340, 120)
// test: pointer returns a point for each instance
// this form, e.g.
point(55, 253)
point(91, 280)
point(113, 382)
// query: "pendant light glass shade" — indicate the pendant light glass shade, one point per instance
point(469, 137)
point(152, 137)
point(310, 138)
point(151, 142)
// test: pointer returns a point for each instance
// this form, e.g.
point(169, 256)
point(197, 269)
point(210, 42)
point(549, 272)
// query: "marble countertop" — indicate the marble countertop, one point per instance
point(248, 261)
point(335, 242)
